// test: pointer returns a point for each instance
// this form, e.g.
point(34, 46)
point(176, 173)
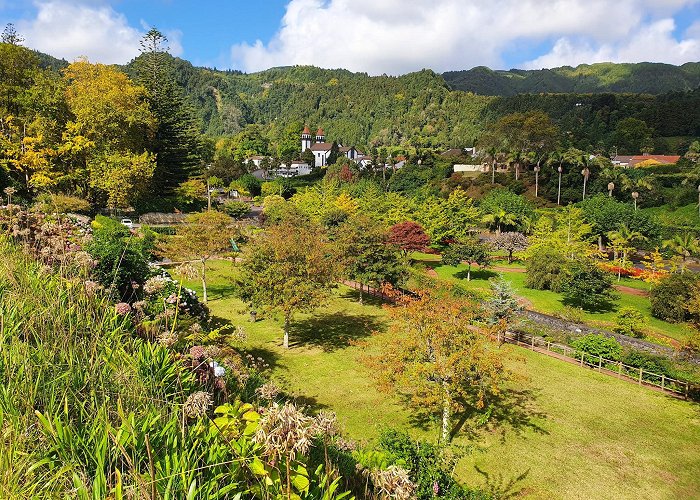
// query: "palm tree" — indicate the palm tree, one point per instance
point(516, 158)
point(499, 218)
point(683, 245)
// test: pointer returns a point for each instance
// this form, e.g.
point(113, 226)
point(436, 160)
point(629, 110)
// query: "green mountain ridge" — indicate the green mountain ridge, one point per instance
point(637, 78)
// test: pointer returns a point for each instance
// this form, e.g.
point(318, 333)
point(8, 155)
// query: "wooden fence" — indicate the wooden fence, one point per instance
point(603, 365)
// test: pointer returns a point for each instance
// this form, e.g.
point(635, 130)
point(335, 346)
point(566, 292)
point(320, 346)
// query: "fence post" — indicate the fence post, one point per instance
point(600, 362)
point(532, 337)
point(548, 343)
point(619, 370)
point(581, 359)
point(686, 390)
point(663, 381)
point(640, 376)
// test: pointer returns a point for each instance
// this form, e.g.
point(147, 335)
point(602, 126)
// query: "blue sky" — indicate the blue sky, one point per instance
point(375, 36)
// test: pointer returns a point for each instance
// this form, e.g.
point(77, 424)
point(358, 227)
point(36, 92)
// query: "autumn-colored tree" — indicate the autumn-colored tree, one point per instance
point(288, 268)
point(438, 359)
point(409, 236)
point(204, 235)
point(470, 250)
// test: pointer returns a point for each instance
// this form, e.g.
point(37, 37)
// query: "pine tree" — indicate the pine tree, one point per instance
point(177, 143)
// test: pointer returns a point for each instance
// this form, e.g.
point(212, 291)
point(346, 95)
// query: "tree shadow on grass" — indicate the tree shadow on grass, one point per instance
point(220, 291)
point(498, 487)
point(476, 274)
point(332, 331)
point(513, 410)
point(603, 306)
point(354, 295)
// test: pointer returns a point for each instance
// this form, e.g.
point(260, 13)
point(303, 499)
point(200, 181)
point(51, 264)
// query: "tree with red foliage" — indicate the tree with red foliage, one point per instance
point(409, 236)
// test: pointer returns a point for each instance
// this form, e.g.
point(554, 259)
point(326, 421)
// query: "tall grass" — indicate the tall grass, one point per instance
point(86, 408)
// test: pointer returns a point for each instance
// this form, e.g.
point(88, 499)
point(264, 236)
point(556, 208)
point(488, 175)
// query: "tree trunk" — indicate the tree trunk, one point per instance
point(204, 281)
point(510, 256)
point(361, 286)
point(600, 242)
point(469, 272)
point(286, 332)
point(445, 413)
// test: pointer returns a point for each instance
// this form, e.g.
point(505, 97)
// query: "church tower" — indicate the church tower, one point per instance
point(320, 135)
point(305, 139)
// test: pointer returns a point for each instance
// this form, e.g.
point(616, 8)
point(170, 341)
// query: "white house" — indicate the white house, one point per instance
point(294, 169)
point(470, 168)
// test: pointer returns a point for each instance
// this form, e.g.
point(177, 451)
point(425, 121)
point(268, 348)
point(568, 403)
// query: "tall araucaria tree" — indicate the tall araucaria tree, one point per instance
point(288, 268)
point(177, 143)
point(438, 359)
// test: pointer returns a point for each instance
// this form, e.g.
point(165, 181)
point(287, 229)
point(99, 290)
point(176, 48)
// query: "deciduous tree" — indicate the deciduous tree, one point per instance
point(470, 250)
point(288, 268)
point(204, 235)
point(438, 359)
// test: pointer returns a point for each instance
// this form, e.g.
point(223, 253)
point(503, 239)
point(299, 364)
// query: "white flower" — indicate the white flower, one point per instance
point(219, 371)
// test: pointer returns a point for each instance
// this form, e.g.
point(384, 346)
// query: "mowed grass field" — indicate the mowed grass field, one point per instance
point(551, 303)
point(563, 431)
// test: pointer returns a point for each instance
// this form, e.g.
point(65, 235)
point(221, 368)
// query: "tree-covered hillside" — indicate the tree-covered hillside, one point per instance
point(640, 78)
point(353, 108)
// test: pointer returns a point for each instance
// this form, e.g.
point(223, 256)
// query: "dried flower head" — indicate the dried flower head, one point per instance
point(122, 308)
point(345, 444)
point(198, 352)
point(167, 338)
point(92, 287)
point(197, 404)
point(285, 431)
point(268, 391)
point(394, 482)
point(326, 424)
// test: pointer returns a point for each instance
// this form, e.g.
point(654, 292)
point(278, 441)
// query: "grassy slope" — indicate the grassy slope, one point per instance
point(577, 433)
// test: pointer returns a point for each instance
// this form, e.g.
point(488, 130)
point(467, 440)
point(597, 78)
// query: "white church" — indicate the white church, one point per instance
point(322, 149)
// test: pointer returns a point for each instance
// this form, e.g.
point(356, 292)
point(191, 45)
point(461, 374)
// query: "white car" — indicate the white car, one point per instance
point(128, 223)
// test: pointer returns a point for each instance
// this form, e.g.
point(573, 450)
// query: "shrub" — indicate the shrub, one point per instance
point(598, 345)
point(629, 322)
point(546, 270)
point(236, 209)
point(588, 286)
point(649, 362)
point(121, 257)
point(669, 298)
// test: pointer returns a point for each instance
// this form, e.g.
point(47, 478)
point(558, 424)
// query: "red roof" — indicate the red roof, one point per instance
point(320, 131)
point(306, 130)
point(659, 158)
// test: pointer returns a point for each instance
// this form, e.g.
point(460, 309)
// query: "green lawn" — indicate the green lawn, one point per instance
point(570, 432)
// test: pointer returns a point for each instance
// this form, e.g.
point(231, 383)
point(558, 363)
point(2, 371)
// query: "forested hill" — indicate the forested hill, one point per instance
point(640, 78)
point(353, 108)
point(421, 109)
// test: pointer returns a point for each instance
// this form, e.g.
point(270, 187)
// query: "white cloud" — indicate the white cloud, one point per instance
point(92, 28)
point(652, 42)
point(396, 36)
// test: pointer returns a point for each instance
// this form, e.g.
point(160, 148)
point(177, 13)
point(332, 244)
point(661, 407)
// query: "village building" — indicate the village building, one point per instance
point(322, 149)
point(644, 160)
